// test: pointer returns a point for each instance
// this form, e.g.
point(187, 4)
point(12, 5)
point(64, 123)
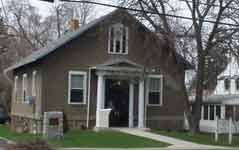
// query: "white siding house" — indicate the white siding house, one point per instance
point(223, 103)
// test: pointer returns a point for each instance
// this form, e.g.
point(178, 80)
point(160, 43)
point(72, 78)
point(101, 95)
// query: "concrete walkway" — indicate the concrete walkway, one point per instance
point(175, 143)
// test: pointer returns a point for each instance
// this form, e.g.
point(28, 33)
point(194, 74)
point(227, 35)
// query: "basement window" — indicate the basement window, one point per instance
point(118, 39)
point(77, 87)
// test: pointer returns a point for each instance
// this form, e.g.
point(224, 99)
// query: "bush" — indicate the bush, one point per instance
point(37, 145)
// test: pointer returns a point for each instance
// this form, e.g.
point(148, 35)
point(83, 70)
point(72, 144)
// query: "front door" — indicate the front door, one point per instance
point(117, 98)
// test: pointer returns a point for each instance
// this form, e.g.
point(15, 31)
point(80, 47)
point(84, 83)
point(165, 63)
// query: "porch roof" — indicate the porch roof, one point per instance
point(230, 99)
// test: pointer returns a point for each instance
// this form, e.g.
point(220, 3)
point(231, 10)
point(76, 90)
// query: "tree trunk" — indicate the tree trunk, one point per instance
point(196, 107)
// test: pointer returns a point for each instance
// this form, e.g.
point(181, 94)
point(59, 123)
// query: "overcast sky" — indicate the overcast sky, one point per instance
point(44, 7)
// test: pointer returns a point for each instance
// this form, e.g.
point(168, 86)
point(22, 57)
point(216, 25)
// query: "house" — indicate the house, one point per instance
point(223, 102)
point(113, 62)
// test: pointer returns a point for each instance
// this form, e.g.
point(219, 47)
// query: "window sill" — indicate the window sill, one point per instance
point(76, 103)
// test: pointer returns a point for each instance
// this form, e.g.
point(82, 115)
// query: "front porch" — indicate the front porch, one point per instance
point(117, 85)
point(216, 116)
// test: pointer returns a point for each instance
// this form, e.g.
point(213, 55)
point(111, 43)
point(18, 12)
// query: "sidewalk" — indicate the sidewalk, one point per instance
point(175, 143)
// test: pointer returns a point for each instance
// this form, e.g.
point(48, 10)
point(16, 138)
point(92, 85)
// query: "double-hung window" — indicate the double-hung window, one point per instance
point(155, 90)
point(77, 87)
point(118, 39)
point(25, 88)
point(227, 84)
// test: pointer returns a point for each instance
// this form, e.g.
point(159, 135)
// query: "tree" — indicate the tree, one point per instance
point(208, 36)
point(61, 13)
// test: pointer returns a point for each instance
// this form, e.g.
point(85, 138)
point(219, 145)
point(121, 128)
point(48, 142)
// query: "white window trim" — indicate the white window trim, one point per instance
point(121, 43)
point(84, 86)
point(34, 73)
point(161, 89)
point(16, 88)
point(24, 87)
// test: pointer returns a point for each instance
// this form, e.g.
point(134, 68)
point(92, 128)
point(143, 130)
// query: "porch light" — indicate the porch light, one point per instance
point(119, 83)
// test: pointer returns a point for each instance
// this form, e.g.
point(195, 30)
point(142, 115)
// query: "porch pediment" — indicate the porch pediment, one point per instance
point(120, 65)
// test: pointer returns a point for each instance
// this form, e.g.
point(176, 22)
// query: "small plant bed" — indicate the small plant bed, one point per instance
point(104, 139)
point(201, 138)
point(86, 138)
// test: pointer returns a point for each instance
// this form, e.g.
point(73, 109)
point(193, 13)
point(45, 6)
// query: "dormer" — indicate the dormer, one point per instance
point(118, 39)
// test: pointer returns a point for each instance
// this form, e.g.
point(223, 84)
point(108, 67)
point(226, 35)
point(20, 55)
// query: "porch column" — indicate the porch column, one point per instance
point(100, 97)
point(103, 94)
point(223, 111)
point(202, 112)
point(141, 104)
point(131, 105)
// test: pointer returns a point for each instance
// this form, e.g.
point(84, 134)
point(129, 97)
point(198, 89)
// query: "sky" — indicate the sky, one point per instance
point(44, 7)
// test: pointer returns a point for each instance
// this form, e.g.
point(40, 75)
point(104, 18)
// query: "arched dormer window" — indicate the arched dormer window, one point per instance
point(237, 83)
point(227, 84)
point(118, 39)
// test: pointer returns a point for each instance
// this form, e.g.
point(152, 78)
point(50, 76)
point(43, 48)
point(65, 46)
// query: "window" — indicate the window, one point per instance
point(24, 88)
point(211, 112)
point(15, 88)
point(77, 87)
point(218, 111)
point(205, 116)
point(155, 86)
point(227, 84)
point(237, 83)
point(118, 39)
point(34, 73)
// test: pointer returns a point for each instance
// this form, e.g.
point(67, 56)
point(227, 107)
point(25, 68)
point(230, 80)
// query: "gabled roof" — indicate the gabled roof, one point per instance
point(57, 43)
point(51, 47)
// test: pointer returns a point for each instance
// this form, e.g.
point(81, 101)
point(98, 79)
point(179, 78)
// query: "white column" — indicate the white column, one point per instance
point(131, 105)
point(215, 112)
point(99, 98)
point(202, 112)
point(103, 94)
point(141, 105)
point(223, 112)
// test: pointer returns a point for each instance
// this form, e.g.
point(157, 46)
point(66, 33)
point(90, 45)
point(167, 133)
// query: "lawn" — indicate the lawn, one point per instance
point(200, 138)
point(88, 138)
point(6, 133)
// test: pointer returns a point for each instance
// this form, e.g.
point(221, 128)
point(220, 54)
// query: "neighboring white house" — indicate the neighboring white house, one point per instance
point(223, 103)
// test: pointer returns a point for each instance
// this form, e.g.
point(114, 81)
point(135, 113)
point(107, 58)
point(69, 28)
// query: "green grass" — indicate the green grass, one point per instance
point(17, 137)
point(87, 138)
point(200, 138)
point(106, 139)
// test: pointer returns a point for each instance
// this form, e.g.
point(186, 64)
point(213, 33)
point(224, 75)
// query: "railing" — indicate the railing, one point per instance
point(221, 125)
